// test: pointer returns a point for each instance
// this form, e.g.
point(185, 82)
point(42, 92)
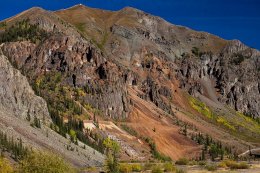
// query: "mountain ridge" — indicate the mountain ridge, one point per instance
point(143, 72)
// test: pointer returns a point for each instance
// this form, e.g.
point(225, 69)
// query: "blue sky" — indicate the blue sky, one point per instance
point(230, 19)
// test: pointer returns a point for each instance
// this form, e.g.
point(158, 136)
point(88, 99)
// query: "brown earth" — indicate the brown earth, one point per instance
point(147, 120)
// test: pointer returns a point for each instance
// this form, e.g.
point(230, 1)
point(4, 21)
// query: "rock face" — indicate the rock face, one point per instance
point(17, 102)
point(234, 74)
point(82, 64)
point(17, 96)
point(130, 45)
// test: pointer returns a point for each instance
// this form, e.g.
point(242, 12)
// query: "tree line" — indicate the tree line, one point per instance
point(15, 147)
point(215, 149)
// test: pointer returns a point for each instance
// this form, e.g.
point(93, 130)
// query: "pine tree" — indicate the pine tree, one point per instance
point(203, 155)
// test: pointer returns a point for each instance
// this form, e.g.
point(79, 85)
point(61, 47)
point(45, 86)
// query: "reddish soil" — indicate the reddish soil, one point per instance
point(148, 121)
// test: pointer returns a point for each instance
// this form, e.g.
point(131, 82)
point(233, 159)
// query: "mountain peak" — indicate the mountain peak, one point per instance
point(78, 6)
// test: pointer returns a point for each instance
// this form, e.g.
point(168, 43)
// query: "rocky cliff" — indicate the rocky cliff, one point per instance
point(20, 106)
point(234, 74)
point(17, 95)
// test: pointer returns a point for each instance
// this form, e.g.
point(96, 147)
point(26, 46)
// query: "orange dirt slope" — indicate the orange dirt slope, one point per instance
point(148, 121)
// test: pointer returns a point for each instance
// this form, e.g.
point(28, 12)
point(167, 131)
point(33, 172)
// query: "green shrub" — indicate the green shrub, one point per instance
point(157, 169)
point(193, 162)
point(211, 167)
point(180, 171)
point(235, 165)
point(156, 154)
point(243, 165)
point(129, 130)
point(126, 168)
point(169, 167)
point(222, 165)
point(182, 161)
point(148, 166)
point(237, 59)
point(44, 162)
point(195, 51)
point(201, 163)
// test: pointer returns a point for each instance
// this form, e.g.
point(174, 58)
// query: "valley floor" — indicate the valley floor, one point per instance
point(255, 168)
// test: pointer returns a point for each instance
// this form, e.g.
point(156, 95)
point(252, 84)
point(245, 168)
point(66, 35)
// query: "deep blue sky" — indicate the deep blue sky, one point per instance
point(230, 19)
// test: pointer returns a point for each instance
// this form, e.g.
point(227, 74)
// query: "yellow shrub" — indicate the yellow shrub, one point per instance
point(125, 168)
point(224, 122)
point(235, 165)
point(5, 166)
point(222, 165)
point(44, 162)
point(200, 107)
point(136, 167)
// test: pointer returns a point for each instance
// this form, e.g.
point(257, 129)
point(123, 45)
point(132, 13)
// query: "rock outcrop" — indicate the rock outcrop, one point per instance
point(234, 74)
point(17, 96)
point(18, 102)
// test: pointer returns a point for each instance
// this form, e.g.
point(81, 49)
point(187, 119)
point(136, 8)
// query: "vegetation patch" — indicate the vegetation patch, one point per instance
point(181, 171)
point(223, 121)
point(22, 31)
point(182, 161)
point(207, 112)
point(254, 121)
point(211, 167)
point(156, 154)
point(169, 167)
point(2, 25)
point(103, 41)
point(214, 149)
point(44, 162)
point(63, 106)
point(16, 149)
point(112, 151)
point(234, 165)
point(129, 130)
point(80, 27)
point(127, 168)
point(201, 107)
point(5, 166)
point(237, 59)
point(157, 169)
point(196, 51)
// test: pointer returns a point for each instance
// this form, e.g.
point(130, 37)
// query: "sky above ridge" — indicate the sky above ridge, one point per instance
point(229, 19)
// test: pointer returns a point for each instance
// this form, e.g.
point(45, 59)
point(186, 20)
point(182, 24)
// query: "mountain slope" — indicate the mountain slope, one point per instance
point(129, 33)
point(18, 103)
point(133, 67)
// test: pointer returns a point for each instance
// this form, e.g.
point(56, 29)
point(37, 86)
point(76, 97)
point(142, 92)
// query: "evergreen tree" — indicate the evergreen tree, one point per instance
point(203, 155)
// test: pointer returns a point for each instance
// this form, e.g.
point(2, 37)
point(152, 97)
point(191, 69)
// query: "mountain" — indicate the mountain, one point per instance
point(158, 89)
